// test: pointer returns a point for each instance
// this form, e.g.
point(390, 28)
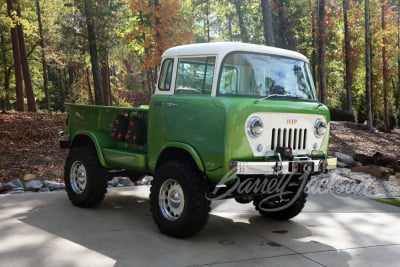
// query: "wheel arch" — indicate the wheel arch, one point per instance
point(85, 138)
point(179, 151)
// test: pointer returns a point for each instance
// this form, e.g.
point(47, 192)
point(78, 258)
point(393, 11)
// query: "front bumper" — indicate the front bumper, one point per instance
point(284, 167)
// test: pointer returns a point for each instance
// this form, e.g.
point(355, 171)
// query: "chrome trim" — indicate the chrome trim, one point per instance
point(282, 167)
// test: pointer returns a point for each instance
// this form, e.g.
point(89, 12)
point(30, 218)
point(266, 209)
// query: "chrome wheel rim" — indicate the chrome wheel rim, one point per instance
point(171, 200)
point(78, 177)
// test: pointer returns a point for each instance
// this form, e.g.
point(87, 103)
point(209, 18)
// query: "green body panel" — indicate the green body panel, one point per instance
point(193, 121)
point(96, 123)
point(125, 159)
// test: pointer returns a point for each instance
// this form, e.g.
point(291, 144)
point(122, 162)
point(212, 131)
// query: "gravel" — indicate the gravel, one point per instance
point(343, 181)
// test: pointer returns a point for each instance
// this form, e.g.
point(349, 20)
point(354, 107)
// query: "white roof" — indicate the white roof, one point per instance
point(223, 48)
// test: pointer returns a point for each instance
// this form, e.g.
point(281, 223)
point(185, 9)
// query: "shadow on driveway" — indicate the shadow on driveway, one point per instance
point(47, 230)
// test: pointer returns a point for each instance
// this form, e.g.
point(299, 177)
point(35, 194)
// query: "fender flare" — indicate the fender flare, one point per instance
point(187, 148)
point(98, 140)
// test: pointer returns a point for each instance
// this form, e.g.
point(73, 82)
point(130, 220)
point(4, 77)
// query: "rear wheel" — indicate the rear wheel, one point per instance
point(84, 177)
point(177, 198)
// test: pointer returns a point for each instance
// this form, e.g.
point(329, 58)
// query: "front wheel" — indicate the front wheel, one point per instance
point(84, 177)
point(177, 199)
point(280, 214)
point(286, 204)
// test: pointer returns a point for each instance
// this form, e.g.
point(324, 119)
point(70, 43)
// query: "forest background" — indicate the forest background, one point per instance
point(108, 51)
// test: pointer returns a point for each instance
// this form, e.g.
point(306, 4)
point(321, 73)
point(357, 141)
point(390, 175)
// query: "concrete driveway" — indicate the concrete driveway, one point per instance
point(44, 229)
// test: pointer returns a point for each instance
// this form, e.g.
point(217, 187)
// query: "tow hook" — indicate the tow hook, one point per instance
point(278, 165)
point(323, 166)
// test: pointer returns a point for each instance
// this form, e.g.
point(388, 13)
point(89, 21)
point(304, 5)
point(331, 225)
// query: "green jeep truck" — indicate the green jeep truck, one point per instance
point(227, 120)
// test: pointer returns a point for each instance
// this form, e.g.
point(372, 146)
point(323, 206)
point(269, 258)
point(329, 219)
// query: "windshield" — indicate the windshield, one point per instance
point(260, 75)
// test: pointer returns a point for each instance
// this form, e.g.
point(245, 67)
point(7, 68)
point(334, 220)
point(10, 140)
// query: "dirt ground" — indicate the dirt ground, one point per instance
point(351, 139)
point(29, 144)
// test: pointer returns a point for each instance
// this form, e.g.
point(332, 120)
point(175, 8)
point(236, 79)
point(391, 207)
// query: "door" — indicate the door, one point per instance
point(190, 115)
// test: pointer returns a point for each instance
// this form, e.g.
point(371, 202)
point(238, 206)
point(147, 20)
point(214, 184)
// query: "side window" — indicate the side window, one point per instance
point(164, 83)
point(228, 83)
point(195, 75)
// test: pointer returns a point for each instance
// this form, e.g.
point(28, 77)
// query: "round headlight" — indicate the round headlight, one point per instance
point(319, 128)
point(255, 127)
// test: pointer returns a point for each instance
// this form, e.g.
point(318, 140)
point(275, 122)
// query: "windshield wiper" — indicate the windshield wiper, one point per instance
point(278, 96)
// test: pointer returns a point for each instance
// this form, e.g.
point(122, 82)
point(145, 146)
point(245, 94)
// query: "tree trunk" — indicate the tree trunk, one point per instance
point(398, 56)
point(207, 24)
point(348, 80)
point(323, 97)
point(230, 22)
point(6, 73)
point(267, 21)
point(61, 90)
point(5, 105)
point(243, 31)
point(281, 26)
point(89, 87)
point(158, 36)
point(94, 57)
point(368, 71)
point(30, 95)
point(314, 58)
point(105, 78)
point(385, 66)
point(19, 93)
point(149, 81)
point(43, 58)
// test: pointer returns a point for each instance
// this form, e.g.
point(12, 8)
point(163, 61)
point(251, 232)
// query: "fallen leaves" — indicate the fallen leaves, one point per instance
point(351, 139)
point(29, 145)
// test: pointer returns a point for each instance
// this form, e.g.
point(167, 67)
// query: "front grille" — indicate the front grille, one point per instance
point(295, 138)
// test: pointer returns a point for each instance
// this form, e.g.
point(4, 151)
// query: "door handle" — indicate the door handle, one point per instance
point(171, 105)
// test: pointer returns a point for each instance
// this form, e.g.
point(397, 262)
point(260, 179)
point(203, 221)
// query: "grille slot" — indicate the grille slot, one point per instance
point(287, 137)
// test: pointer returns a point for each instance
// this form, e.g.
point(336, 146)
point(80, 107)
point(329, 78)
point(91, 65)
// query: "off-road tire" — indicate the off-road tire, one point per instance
point(285, 214)
point(177, 199)
point(84, 177)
